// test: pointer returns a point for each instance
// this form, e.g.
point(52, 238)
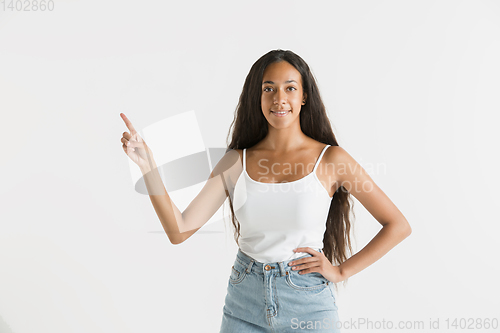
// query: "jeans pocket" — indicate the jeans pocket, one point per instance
point(309, 281)
point(238, 273)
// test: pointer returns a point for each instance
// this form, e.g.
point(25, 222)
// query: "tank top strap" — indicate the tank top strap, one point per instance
point(244, 159)
point(319, 158)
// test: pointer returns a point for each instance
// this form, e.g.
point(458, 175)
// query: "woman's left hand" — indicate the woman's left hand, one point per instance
point(317, 263)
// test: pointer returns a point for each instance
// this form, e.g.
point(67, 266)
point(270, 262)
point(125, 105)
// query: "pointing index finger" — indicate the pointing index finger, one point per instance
point(128, 123)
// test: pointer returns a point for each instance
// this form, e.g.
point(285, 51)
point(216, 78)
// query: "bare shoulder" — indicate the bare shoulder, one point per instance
point(240, 152)
point(230, 161)
point(347, 169)
point(341, 161)
point(336, 154)
point(240, 155)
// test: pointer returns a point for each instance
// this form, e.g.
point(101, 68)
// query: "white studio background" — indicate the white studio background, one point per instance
point(409, 85)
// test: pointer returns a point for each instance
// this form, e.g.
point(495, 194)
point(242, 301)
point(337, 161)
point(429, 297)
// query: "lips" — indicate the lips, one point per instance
point(280, 113)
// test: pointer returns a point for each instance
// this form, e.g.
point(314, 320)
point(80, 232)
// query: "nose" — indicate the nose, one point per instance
point(280, 97)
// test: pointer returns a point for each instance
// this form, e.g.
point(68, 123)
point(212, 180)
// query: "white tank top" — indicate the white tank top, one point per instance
point(276, 218)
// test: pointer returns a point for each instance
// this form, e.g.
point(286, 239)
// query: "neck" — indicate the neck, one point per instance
point(283, 140)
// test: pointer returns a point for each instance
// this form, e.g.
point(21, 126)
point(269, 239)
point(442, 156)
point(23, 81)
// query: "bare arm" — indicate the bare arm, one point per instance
point(170, 217)
point(178, 225)
point(395, 227)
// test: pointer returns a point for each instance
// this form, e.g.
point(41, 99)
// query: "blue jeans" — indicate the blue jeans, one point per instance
point(271, 297)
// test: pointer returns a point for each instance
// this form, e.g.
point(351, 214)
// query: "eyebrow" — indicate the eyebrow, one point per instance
point(271, 82)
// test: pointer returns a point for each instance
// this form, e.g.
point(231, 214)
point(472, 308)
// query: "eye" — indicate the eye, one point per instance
point(293, 88)
point(267, 88)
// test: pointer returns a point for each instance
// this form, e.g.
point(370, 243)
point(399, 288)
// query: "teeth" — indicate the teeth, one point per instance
point(281, 112)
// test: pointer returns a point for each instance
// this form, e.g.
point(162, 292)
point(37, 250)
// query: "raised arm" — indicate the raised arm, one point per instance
point(218, 187)
point(178, 225)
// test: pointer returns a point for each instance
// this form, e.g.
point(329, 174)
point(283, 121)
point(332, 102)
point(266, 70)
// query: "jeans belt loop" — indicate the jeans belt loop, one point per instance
point(282, 268)
point(249, 267)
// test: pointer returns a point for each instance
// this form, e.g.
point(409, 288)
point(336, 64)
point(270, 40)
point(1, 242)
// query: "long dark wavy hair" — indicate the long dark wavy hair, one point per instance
point(249, 126)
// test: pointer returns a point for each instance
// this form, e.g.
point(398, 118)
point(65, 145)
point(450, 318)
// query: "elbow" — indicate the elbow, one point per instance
point(406, 230)
point(400, 229)
point(175, 240)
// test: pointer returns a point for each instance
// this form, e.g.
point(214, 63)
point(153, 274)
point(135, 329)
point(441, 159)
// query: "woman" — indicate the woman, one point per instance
point(289, 185)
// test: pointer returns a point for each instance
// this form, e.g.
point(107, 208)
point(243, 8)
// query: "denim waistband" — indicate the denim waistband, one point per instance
point(278, 267)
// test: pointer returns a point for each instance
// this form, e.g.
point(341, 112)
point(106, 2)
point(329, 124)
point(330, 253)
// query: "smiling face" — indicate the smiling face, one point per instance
point(281, 91)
